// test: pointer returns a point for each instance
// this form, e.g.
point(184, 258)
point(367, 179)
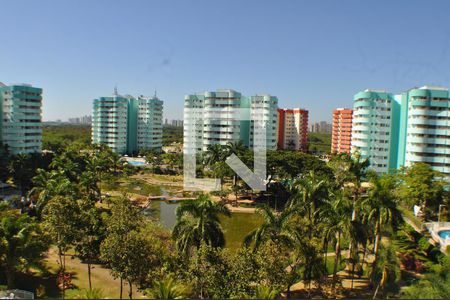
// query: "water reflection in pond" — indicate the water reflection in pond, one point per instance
point(236, 227)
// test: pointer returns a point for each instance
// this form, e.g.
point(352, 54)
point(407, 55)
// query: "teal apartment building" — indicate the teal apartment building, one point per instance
point(399, 130)
point(21, 118)
point(202, 127)
point(127, 124)
point(424, 131)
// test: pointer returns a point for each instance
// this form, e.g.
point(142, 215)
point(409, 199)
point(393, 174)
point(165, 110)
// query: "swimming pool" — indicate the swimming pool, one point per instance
point(136, 162)
point(444, 234)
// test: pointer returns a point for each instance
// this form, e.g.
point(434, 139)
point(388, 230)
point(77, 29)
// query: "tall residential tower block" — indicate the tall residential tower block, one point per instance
point(203, 127)
point(342, 130)
point(127, 124)
point(399, 130)
point(293, 129)
point(424, 131)
point(21, 118)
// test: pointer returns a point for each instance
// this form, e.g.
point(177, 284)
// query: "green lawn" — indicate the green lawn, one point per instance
point(320, 142)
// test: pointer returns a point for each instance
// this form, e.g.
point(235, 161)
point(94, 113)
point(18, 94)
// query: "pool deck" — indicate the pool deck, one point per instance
point(435, 228)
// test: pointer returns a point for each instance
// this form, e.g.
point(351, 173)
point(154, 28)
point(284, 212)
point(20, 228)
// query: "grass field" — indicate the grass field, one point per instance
point(319, 142)
point(101, 277)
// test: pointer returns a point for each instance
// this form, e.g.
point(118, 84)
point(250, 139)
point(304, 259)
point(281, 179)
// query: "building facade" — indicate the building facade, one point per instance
point(110, 122)
point(399, 130)
point(203, 128)
point(177, 123)
point(321, 127)
point(268, 106)
point(375, 113)
point(293, 129)
point(149, 127)
point(126, 124)
point(342, 130)
point(21, 118)
point(424, 131)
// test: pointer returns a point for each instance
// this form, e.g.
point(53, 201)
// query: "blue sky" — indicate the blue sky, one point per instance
point(314, 55)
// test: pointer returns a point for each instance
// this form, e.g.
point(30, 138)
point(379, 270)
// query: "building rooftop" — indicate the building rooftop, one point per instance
point(433, 87)
point(375, 90)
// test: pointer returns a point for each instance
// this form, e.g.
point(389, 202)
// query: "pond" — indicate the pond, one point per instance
point(235, 227)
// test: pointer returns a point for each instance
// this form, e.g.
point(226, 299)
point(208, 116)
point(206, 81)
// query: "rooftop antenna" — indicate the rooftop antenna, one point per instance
point(155, 94)
point(115, 90)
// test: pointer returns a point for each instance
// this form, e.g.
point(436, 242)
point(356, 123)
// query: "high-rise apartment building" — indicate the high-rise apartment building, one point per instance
point(342, 130)
point(202, 127)
point(126, 124)
point(424, 131)
point(321, 127)
point(264, 108)
point(374, 115)
point(149, 128)
point(293, 129)
point(177, 123)
point(110, 122)
point(84, 120)
point(21, 118)
point(399, 130)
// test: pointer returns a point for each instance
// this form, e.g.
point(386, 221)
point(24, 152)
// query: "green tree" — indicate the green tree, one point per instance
point(266, 292)
point(277, 228)
point(310, 193)
point(22, 243)
point(291, 164)
point(61, 218)
point(21, 170)
point(337, 227)
point(132, 249)
point(422, 186)
point(128, 257)
point(381, 208)
point(90, 234)
point(49, 184)
point(167, 288)
point(214, 153)
point(386, 273)
point(4, 161)
point(198, 222)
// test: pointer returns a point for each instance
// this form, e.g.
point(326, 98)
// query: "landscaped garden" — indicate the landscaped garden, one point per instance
point(95, 227)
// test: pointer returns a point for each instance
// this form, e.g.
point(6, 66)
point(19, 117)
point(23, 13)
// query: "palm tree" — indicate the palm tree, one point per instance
point(356, 167)
point(167, 288)
point(357, 173)
point(51, 184)
point(91, 294)
point(198, 222)
point(265, 292)
point(338, 226)
point(381, 208)
point(277, 228)
point(387, 272)
point(20, 169)
point(237, 148)
point(214, 153)
point(21, 243)
point(309, 195)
